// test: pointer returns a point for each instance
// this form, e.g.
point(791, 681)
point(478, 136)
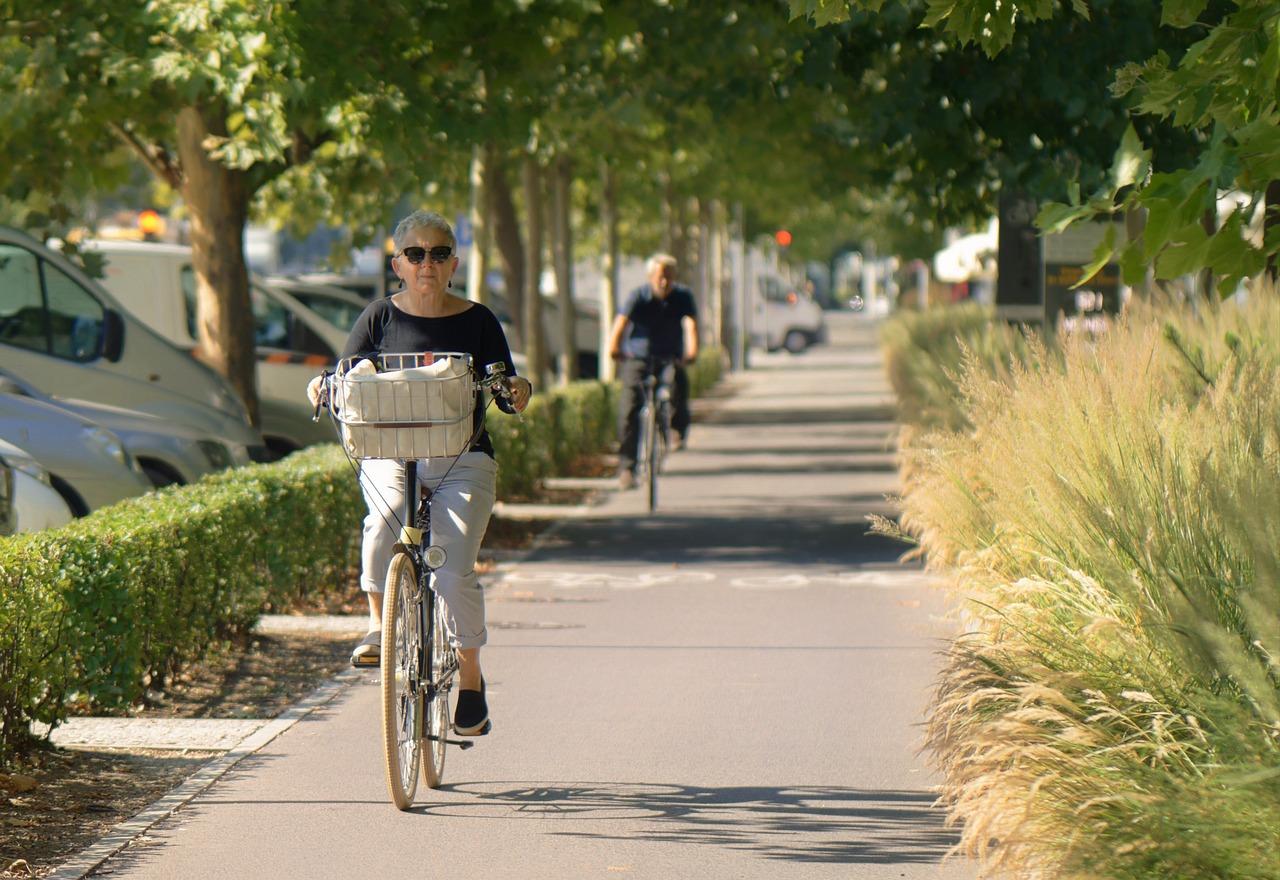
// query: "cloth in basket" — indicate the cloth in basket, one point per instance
point(419, 412)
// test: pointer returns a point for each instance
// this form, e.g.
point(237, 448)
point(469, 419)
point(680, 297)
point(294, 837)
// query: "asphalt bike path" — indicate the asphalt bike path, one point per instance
point(729, 687)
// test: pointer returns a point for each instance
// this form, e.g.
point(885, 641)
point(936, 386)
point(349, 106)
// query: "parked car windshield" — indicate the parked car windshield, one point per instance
point(45, 311)
point(338, 312)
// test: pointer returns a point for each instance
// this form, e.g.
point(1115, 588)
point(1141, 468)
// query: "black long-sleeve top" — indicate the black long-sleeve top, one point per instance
point(382, 328)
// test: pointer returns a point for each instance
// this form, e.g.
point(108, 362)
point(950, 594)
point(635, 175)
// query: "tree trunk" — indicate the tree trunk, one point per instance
point(506, 234)
point(608, 265)
point(1271, 226)
point(1135, 225)
point(562, 181)
point(534, 341)
point(702, 259)
point(1204, 278)
point(686, 249)
point(716, 236)
point(1020, 277)
point(478, 261)
point(679, 239)
point(740, 316)
point(218, 200)
point(668, 213)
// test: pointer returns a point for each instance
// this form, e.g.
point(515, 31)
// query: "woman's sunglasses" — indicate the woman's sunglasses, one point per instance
point(416, 254)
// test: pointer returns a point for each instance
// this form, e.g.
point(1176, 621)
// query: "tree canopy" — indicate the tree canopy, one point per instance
point(1216, 84)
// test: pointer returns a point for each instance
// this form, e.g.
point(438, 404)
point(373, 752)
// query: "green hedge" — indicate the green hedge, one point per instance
point(93, 614)
point(926, 353)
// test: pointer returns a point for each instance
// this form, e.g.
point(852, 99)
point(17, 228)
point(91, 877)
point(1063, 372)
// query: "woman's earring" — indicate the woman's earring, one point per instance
point(451, 284)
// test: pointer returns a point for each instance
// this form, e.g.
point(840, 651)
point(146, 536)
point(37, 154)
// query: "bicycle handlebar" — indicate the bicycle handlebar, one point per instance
point(495, 381)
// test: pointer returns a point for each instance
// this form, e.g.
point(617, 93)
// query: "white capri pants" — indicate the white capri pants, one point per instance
point(460, 509)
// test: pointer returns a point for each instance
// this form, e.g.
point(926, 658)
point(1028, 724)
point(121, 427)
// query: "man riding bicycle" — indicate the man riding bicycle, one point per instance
point(657, 321)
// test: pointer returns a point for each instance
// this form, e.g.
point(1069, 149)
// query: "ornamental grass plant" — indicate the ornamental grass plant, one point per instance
point(1110, 517)
point(926, 351)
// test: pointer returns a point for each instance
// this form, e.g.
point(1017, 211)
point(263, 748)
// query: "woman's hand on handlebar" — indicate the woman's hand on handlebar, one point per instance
point(314, 389)
point(318, 393)
point(521, 391)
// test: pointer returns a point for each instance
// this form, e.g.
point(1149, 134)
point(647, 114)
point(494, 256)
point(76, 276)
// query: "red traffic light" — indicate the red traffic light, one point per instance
point(783, 238)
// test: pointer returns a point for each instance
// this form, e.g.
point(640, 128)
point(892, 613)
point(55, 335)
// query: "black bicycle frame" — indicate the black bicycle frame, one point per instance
point(418, 513)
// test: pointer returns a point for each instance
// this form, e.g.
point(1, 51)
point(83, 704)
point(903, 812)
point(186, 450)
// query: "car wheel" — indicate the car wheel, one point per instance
point(795, 342)
point(161, 475)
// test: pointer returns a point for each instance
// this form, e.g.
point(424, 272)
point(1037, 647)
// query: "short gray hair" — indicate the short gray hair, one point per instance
point(421, 219)
point(660, 260)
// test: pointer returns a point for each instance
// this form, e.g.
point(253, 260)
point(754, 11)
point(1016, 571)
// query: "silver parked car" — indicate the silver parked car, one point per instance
point(28, 501)
point(87, 464)
point(336, 305)
point(63, 332)
point(168, 452)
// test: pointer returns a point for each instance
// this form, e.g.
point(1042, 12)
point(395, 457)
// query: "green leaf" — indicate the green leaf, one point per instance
point(1161, 221)
point(1055, 216)
point(1188, 253)
point(1232, 256)
point(1181, 13)
point(1133, 264)
point(822, 12)
point(1102, 255)
point(1131, 162)
point(1258, 146)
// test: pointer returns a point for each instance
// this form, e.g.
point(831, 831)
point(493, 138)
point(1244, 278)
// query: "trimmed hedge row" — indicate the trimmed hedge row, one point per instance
point(95, 613)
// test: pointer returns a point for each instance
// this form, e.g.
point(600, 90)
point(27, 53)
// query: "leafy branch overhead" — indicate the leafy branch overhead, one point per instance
point(1221, 90)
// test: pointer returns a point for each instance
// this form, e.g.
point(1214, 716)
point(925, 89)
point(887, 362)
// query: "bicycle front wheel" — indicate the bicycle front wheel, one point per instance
point(442, 662)
point(401, 652)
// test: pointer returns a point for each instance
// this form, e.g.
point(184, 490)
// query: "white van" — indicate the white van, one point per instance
point(63, 333)
point(785, 317)
point(156, 282)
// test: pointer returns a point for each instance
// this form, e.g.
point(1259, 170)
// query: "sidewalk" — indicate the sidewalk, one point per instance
point(731, 687)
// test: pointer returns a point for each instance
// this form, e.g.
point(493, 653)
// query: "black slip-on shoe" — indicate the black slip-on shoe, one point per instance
point(471, 716)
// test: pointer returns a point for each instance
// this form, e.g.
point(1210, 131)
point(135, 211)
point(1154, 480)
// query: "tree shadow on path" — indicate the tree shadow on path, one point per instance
point(817, 824)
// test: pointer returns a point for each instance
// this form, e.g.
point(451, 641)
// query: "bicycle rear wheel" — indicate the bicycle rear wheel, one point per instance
point(401, 652)
point(651, 457)
point(443, 665)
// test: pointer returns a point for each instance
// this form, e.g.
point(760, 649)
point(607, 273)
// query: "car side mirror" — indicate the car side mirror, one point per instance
point(112, 335)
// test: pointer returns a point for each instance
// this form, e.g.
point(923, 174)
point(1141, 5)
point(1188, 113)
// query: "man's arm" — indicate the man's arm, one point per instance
point(620, 325)
point(690, 325)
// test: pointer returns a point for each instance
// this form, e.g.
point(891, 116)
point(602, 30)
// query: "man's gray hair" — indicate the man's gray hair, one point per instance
point(660, 260)
point(422, 220)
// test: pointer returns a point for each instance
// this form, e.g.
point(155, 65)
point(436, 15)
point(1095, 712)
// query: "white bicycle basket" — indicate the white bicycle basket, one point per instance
point(406, 405)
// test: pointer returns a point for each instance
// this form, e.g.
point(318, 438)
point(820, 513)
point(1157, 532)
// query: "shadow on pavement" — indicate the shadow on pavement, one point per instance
point(873, 412)
point(839, 825)
point(881, 446)
point(759, 535)
point(885, 465)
